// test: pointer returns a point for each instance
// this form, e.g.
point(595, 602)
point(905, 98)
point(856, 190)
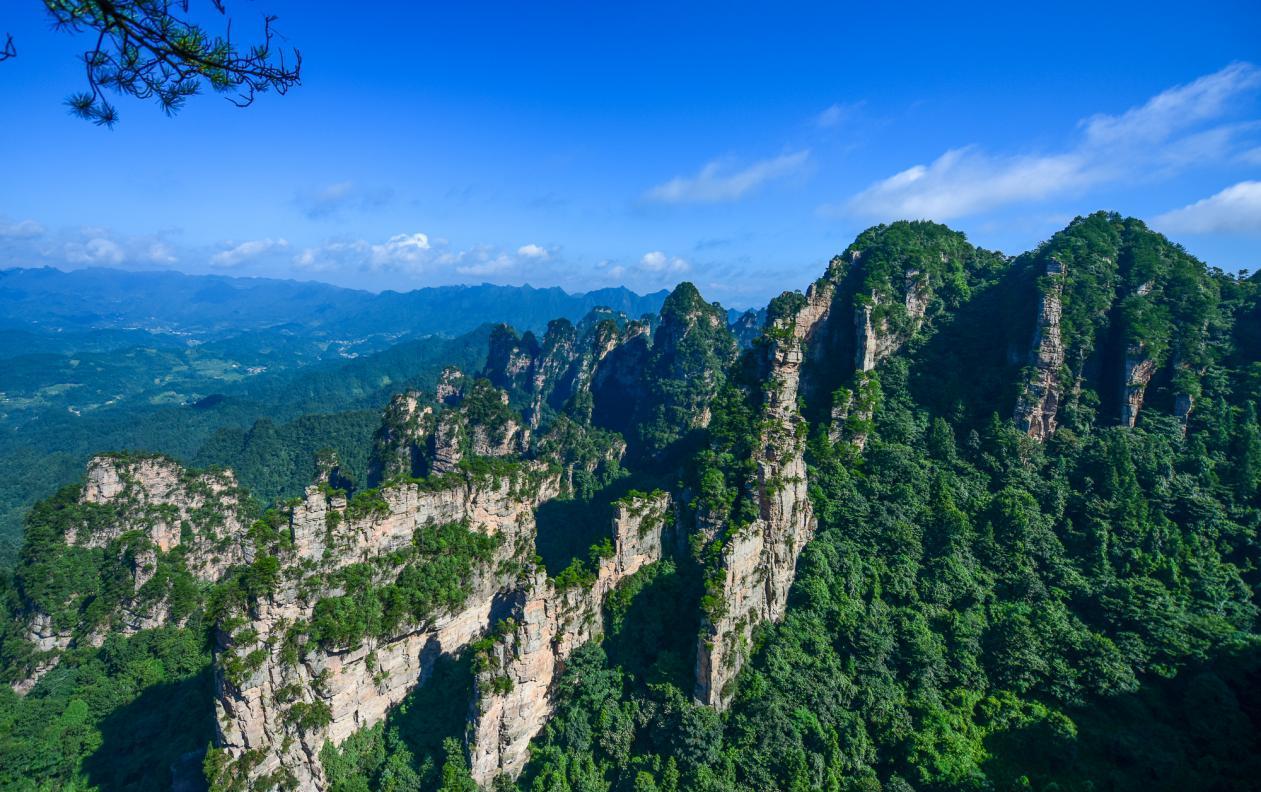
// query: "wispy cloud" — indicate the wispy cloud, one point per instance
point(23, 229)
point(29, 243)
point(418, 254)
point(1236, 209)
point(1174, 130)
point(332, 199)
point(238, 254)
point(717, 182)
point(836, 114)
point(401, 252)
point(97, 250)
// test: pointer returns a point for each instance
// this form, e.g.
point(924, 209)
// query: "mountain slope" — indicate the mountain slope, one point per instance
point(953, 521)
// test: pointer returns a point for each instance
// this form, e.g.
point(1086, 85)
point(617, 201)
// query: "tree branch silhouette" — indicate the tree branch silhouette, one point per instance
point(150, 49)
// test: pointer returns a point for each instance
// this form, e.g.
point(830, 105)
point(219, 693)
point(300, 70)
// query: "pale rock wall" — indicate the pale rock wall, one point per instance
point(159, 496)
point(759, 564)
point(875, 341)
point(1138, 372)
point(359, 686)
point(512, 699)
point(1038, 405)
point(172, 507)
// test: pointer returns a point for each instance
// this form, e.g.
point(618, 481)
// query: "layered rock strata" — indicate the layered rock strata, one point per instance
point(1138, 372)
point(875, 340)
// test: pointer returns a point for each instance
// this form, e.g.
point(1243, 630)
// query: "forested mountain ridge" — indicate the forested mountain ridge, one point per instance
point(954, 521)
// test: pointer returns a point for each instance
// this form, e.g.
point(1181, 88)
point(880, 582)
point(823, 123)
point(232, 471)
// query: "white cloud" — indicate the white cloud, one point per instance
point(160, 253)
point(24, 229)
point(414, 254)
point(1176, 109)
point(967, 181)
point(401, 250)
point(1164, 135)
point(657, 261)
point(482, 261)
point(715, 182)
point(533, 251)
point(97, 250)
point(1236, 209)
point(237, 255)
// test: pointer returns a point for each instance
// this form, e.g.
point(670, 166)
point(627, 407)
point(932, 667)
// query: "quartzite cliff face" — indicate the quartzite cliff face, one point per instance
point(1039, 403)
point(156, 521)
point(282, 693)
point(543, 627)
point(757, 564)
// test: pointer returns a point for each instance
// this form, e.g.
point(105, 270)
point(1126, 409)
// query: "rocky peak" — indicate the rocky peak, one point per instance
point(450, 388)
point(147, 517)
point(756, 565)
point(401, 443)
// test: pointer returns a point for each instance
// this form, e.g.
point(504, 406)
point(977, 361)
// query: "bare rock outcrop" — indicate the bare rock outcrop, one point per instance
point(512, 698)
point(1139, 368)
point(758, 564)
point(282, 692)
point(399, 446)
point(1038, 405)
point(140, 508)
point(875, 340)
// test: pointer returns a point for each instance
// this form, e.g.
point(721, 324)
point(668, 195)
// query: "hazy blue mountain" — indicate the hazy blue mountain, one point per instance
point(200, 305)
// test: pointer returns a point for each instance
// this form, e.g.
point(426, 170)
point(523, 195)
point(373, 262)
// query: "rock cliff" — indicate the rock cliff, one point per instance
point(157, 523)
point(1039, 402)
point(757, 564)
point(290, 677)
point(544, 626)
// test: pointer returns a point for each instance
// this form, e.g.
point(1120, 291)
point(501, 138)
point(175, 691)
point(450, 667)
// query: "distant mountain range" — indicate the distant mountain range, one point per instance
point(212, 305)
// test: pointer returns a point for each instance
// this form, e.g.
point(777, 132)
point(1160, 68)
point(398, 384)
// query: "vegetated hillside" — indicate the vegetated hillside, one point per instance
point(954, 521)
point(221, 416)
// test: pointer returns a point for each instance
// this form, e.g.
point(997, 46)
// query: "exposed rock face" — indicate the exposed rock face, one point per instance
point(446, 449)
point(1039, 404)
point(158, 496)
point(758, 565)
point(403, 438)
point(1139, 369)
point(264, 722)
point(852, 411)
point(875, 341)
point(509, 359)
point(415, 439)
point(450, 387)
point(143, 508)
point(513, 690)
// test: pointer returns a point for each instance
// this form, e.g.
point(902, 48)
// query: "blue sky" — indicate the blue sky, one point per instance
point(736, 145)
